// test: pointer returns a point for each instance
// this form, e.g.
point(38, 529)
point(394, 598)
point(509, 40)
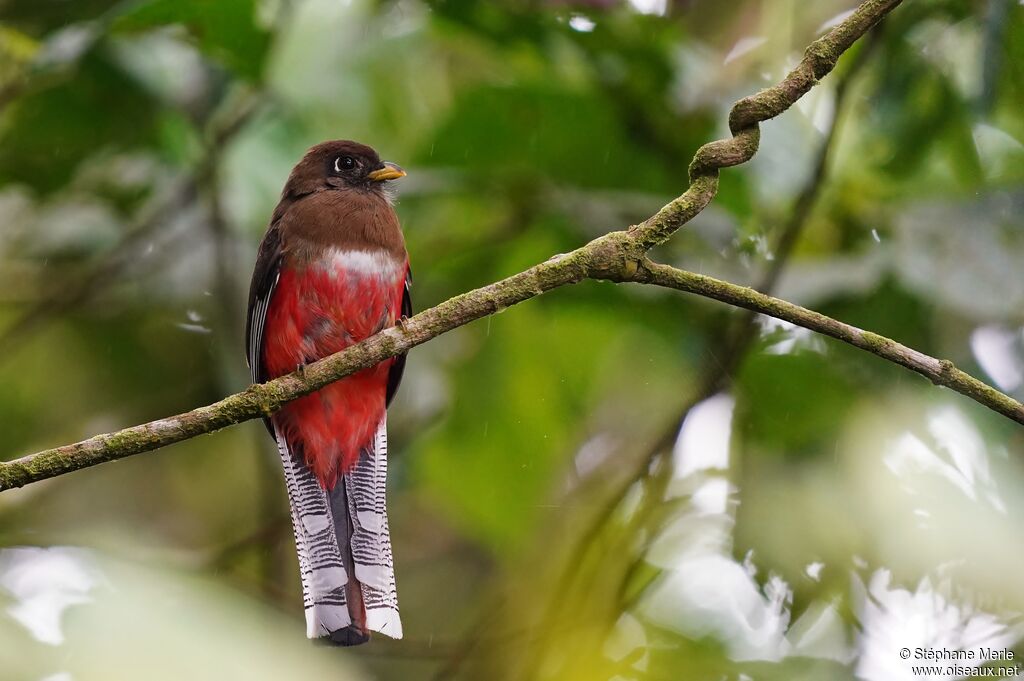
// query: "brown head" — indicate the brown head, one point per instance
point(336, 196)
point(340, 164)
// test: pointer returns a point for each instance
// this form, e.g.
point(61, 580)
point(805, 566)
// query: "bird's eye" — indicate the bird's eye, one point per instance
point(344, 163)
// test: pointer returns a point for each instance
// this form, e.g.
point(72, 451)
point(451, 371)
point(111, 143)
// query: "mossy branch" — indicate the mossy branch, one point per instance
point(939, 371)
point(819, 59)
point(618, 256)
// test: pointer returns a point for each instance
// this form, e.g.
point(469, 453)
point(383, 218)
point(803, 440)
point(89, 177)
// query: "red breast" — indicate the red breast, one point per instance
point(341, 271)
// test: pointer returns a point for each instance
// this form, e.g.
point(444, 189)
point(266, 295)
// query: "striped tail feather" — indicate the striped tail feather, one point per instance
point(344, 547)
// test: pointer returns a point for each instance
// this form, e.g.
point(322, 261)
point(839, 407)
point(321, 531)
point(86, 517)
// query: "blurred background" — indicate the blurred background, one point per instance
point(610, 482)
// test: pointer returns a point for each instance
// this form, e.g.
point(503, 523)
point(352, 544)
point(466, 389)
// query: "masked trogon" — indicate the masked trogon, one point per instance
point(332, 270)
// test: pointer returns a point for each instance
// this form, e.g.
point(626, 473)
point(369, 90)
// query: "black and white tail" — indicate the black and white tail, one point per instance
point(348, 577)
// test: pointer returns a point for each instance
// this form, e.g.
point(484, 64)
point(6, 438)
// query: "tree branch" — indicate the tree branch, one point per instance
point(939, 371)
point(618, 256)
point(819, 59)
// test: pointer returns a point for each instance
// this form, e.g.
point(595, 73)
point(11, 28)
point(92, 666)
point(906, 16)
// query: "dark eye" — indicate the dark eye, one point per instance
point(344, 163)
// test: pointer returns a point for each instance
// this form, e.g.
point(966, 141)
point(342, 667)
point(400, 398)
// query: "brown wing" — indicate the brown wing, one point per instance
point(398, 366)
point(264, 279)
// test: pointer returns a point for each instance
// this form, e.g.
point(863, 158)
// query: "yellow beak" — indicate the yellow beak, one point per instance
point(390, 171)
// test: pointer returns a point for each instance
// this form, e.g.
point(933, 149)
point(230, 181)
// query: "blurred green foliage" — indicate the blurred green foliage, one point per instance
point(142, 147)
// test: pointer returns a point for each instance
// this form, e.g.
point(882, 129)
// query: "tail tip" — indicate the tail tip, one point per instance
point(346, 636)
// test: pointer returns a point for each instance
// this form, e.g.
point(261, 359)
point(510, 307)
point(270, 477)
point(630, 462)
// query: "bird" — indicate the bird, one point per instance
point(331, 270)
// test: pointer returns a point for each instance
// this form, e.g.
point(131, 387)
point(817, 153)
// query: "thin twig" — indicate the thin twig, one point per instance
point(939, 371)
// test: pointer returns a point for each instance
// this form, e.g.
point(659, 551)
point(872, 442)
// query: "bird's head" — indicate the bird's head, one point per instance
point(341, 164)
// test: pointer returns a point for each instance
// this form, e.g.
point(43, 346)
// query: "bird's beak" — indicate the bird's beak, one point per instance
point(389, 171)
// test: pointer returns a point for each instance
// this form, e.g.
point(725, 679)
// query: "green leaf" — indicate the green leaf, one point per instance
point(792, 401)
point(224, 29)
point(532, 131)
point(47, 134)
